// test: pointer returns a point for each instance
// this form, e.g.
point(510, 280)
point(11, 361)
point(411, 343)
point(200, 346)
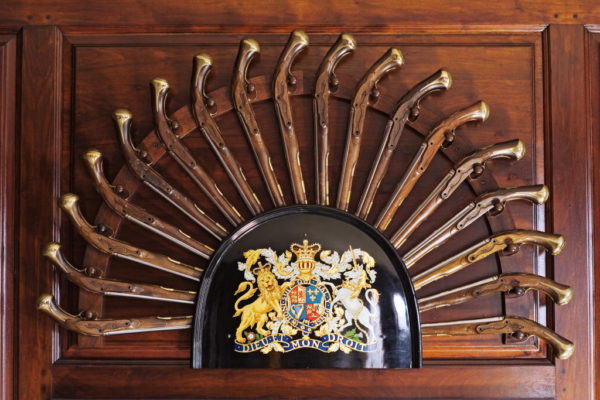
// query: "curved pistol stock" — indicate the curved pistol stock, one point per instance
point(407, 108)
point(118, 248)
point(150, 177)
point(492, 203)
point(284, 82)
point(84, 279)
point(472, 166)
point(241, 88)
point(107, 327)
point(501, 325)
point(512, 285)
point(507, 242)
point(201, 105)
point(136, 214)
point(327, 83)
point(365, 93)
point(441, 135)
point(182, 155)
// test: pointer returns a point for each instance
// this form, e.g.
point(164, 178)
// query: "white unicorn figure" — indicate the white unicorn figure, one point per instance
point(358, 279)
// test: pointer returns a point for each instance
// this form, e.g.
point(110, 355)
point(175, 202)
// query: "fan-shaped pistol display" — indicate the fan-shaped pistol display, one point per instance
point(313, 278)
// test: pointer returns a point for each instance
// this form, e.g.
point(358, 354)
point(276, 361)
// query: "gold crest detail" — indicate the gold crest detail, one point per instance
point(294, 301)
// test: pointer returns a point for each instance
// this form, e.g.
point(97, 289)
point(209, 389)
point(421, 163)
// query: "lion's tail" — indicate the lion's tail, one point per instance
point(250, 292)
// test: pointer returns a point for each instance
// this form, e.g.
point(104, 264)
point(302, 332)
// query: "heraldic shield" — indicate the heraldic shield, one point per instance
point(306, 287)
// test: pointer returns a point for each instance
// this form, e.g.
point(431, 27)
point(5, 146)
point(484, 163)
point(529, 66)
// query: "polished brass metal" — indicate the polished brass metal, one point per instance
point(407, 108)
point(283, 83)
point(109, 245)
point(501, 325)
point(108, 327)
point(112, 287)
point(182, 155)
point(490, 203)
point(136, 214)
point(202, 105)
point(326, 84)
point(365, 94)
point(470, 166)
point(512, 285)
point(152, 179)
point(441, 135)
point(241, 90)
point(507, 242)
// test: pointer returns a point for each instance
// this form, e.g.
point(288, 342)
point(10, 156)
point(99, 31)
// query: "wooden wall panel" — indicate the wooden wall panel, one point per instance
point(572, 192)
point(103, 72)
point(39, 218)
point(60, 82)
point(8, 67)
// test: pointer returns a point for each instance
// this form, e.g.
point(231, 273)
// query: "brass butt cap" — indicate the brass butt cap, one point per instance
point(92, 156)
point(51, 250)
point(484, 109)
point(69, 201)
point(202, 59)
point(446, 79)
point(396, 55)
point(122, 115)
point(44, 302)
point(159, 84)
point(300, 37)
point(348, 40)
point(250, 46)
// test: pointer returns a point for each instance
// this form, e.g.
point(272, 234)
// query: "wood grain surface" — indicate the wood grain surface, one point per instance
point(66, 66)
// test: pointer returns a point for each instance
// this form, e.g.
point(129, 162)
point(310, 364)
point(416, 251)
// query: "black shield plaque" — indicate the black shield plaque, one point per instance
point(327, 320)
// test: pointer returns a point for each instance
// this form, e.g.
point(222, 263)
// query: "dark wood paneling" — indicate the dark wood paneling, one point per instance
point(369, 15)
point(39, 219)
point(467, 382)
point(593, 90)
point(124, 64)
point(570, 213)
point(8, 67)
point(69, 86)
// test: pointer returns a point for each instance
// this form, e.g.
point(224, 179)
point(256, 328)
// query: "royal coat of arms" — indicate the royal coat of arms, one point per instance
point(308, 309)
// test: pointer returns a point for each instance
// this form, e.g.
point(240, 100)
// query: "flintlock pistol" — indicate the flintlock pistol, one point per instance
point(512, 285)
point(407, 108)
point(202, 104)
point(86, 278)
point(366, 93)
point(441, 135)
point(326, 84)
point(507, 242)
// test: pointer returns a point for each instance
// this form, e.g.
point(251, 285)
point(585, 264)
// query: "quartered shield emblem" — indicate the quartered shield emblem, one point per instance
point(299, 302)
point(307, 305)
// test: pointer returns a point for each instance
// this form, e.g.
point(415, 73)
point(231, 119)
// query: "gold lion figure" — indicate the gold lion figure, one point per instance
point(256, 313)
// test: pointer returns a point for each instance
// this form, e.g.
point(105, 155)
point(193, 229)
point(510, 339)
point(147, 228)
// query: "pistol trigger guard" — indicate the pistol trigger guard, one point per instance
point(291, 79)
point(415, 112)
point(174, 125)
point(449, 139)
point(250, 88)
point(103, 230)
point(333, 82)
point(478, 169)
point(516, 291)
point(374, 94)
point(511, 248)
point(498, 207)
point(519, 336)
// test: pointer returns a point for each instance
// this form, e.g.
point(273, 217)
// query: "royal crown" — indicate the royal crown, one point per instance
point(305, 252)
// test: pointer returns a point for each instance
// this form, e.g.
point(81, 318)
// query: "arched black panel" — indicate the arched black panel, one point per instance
point(365, 316)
